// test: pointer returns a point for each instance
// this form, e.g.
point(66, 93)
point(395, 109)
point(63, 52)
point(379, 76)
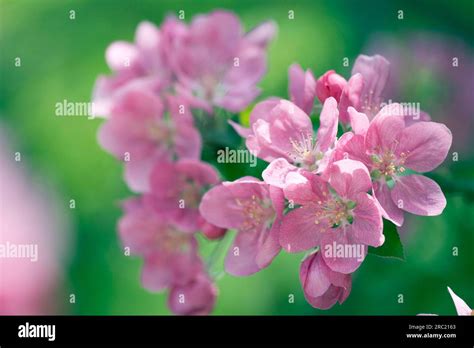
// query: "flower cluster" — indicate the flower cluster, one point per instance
point(157, 82)
point(332, 176)
point(328, 194)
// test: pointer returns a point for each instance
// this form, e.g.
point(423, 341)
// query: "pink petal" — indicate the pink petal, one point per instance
point(262, 34)
point(367, 226)
point(242, 131)
point(359, 121)
point(385, 131)
point(121, 55)
point(302, 88)
point(276, 172)
point(241, 257)
point(328, 125)
point(375, 70)
point(298, 231)
point(219, 206)
point(341, 237)
point(270, 246)
point(194, 298)
point(426, 145)
point(263, 110)
point(389, 209)
point(419, 195)
point(349, 177)
point(350, 96)
point(313, 276)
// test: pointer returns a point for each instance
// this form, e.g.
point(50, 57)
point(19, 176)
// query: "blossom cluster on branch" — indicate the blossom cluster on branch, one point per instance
point(332, 176)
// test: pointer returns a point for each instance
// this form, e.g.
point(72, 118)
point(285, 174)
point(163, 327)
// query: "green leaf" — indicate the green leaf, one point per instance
point(392, 247)
point(244, 116)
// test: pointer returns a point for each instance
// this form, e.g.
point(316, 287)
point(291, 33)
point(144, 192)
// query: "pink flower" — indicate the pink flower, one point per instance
point(321, 285)
point(375, 71)
point(334, 214)
point(461, 307)
point(140, 133)
point(142, 63)
point(216, 64)
point(302, 88)
point(176, 191)
point(254, 209)
point(170, 255)
point(281, 132)
point(197, 297)
point(390, 145)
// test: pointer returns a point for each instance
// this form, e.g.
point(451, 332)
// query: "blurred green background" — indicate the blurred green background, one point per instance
point(61, 58)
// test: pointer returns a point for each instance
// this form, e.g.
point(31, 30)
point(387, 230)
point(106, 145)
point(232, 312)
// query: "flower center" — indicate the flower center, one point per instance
point(304, 152)
point(190, 193)
point(162, 133)
point(256, 211)
point(387, 164)
point(335, 212)
point(172, 240)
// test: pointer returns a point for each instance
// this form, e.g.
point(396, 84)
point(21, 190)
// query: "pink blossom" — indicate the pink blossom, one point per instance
point(302, 88)
point(196, 297)
point(282, 133)
point(322, 286)
point(390, 145)
point(461, 307)
point(217, 64)
point(337, 212)
point(176, 189)
point(170, 255)
point(142, 63)
point(254, 209)
point(142, 130)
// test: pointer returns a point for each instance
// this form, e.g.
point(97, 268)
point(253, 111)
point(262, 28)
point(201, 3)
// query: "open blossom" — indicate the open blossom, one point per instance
point(176, 189)
point(196, 297)
point(322, 286)
point(143, 130)
point(337, 212)
point(254, 209)
point(170, 254)
point(388, 146)
point(142, 63)
point(217, 64)
point(282, 133)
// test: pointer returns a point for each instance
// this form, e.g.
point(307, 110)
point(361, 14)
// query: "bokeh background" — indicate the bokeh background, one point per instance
point(60, 59)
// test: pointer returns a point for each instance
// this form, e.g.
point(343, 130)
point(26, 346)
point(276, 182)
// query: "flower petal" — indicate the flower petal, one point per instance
point(419, 195)
point(426, 145)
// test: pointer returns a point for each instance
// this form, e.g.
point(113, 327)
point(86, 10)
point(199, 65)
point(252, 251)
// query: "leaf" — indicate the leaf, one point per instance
point(392, 247)
point(244, 116)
